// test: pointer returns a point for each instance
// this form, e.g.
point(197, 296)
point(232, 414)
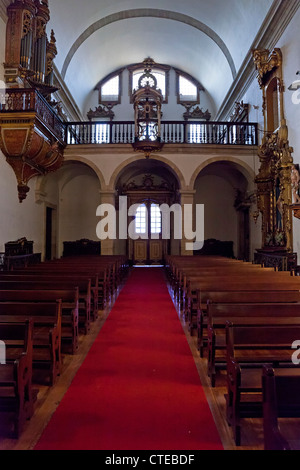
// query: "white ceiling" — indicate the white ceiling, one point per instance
point(209, 39)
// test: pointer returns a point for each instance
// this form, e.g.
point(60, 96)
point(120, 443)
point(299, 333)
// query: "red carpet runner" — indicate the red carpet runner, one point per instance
point(138, 388)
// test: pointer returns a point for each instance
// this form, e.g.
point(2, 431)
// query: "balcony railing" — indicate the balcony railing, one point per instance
point(16, 100)
point(29, 100)
point(172, 132)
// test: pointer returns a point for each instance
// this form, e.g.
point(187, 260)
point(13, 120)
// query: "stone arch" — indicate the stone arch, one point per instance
point(153, 13)
point(90, 164)
point(41, 182)
point(244, 168)
point(225, 185)
point(171, 166)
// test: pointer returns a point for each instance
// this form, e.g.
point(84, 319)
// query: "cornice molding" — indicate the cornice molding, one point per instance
point(279, 17)
point(3, 9)
point(64, 95)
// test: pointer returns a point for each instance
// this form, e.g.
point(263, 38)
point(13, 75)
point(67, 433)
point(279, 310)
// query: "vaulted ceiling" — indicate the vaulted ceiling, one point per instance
point(209, 39)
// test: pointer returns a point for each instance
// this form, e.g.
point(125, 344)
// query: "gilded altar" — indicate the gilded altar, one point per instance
point(274, 178)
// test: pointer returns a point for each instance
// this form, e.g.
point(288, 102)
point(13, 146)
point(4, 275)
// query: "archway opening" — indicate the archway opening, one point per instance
point(151, 189)
point(224, 190)
point(71, 197)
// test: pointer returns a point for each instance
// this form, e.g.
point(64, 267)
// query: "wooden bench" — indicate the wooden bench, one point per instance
point(248, 350)
point(84, 288)
point(70, 310)
point(281, 399)
point(197, 305)
point(46, 319)
point(110, 269)
point(16, 395)
point(52, 274)
point(243, 314)
point(228, 281)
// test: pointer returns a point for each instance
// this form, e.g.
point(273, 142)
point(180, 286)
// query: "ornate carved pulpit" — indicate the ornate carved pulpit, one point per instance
point(32, 136)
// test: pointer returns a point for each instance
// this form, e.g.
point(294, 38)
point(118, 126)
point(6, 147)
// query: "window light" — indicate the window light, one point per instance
point(110, 89)
point(187, 90)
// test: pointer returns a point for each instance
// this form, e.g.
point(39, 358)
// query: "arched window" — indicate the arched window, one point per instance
point(159, 75)
point(160, 72)
point(188, 89)
point(110, 89)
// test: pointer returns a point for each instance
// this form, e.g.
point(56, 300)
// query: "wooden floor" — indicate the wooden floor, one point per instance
point(49, 398)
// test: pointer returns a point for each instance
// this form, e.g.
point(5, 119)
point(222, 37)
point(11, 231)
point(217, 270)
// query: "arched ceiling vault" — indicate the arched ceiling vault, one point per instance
point(207, 39)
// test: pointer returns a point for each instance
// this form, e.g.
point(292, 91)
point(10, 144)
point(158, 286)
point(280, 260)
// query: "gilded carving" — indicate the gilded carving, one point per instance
point(274, 191)
point(274, 179)
point(27, 23)
point(266, 62)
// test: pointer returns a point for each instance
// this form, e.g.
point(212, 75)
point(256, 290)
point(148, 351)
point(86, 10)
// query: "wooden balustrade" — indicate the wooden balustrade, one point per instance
point(29, 100)
point(123, 132)
point(172, 132)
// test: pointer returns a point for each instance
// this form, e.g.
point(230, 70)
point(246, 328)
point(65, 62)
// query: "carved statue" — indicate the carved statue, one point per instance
point(295, 180)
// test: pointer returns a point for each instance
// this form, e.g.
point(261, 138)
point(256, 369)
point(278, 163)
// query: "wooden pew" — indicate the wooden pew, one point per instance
point(228, 281)
point(63, 273)
point(243, 314)
point(207, 298)
point(84, 287)
point(70, 310)
point(46, 340)
point(197, 306)
point(110, 269)
point(16, 394)
point(281, 399)
point(248, 350)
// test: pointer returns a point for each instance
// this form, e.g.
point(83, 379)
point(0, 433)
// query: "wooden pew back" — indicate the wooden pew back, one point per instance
point(281, 398)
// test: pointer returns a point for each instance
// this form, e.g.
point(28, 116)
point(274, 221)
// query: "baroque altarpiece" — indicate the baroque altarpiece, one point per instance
point(274, 178)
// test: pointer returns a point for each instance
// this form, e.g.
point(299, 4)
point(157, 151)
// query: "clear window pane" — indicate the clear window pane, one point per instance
point(141, 219)
point(187, 90)
point(155, 219)
point(110, 90)
point(160, 77)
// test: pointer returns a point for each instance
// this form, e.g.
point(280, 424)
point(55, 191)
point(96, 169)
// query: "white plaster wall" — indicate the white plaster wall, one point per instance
point(78, 203)
point(18, 220)
point(220, 216)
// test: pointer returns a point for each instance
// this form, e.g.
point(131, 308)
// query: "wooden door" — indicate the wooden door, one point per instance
point(149, 248)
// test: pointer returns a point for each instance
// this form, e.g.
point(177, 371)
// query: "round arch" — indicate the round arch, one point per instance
point(245, 169)
point(90, 164)
point(171, 166)
point(41, 181)
point(153, 13)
